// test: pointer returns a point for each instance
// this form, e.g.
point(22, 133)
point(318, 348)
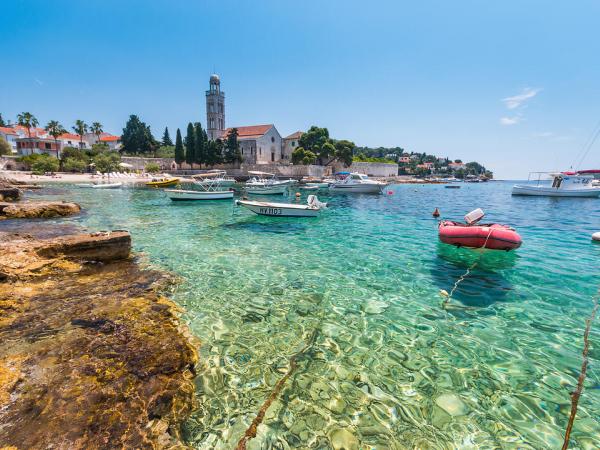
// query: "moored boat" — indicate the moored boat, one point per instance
point(264, 183)
point(162, 182)
point(182, 195)
point(310, 209)
point(356, 183)
point(492, 236)
point(564, 184)
point(219, 176)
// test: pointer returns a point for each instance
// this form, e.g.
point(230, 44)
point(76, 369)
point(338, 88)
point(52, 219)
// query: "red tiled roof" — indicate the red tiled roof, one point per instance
point(295, 135)
point(7, 130)
point(33, 130)
point(110, 138)
point(253, 131)
point(69, 136)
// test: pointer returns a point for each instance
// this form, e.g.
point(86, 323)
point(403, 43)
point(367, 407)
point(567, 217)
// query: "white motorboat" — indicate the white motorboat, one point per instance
point(219, 176)
point(102, 185)
point(265, 183)
point(318, 185)
point(311, 209)
point(356, 183)
point(564, 184)
point(182, 194)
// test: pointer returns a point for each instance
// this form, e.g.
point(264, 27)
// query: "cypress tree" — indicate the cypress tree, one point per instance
point(179, 151)
point(190, 146)
point(166, 140)
point(200, 145)
point(2, 124)
point(232, 147)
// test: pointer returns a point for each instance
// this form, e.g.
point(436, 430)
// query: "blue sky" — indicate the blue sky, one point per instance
point(514, 85)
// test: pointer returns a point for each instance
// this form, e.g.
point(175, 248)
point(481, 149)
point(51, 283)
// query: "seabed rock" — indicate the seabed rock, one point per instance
point(91, 355)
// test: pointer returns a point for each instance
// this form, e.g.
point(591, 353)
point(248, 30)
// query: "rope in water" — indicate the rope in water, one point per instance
point(448, 296)
point(577, 393)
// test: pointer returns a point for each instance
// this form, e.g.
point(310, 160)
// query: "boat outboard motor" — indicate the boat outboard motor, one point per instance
point(474, 216)
point(312, 200)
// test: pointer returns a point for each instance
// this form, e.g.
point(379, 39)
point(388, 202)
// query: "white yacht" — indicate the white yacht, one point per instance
point(564, 184)
point(312, 208)
point(356, 182)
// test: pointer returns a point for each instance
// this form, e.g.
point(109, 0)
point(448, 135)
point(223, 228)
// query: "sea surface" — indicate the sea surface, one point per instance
point(381, 362)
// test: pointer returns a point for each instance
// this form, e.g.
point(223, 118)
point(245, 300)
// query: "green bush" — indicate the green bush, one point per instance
point(73, 153)
point(43, 164)
point(74, 165)
point(165, 151)
point(107, 162)
point(5, 148)
point(152, 168)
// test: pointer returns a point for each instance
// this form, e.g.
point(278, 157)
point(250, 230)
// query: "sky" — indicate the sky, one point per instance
point(514, 85)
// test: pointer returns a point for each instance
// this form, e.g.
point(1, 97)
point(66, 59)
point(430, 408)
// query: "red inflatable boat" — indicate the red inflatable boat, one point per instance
point(493, 236)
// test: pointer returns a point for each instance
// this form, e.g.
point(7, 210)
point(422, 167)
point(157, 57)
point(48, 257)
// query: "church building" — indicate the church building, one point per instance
point(259, 144)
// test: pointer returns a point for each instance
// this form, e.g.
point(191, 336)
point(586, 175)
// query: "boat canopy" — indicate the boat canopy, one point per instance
point(206, 175)
point(343, 173)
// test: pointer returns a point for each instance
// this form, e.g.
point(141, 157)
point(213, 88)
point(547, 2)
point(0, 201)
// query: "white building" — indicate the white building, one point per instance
point(259, 144)
point(290, 143)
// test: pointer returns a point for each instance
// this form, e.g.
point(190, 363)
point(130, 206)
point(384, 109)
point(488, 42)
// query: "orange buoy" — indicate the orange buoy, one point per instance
point(436, 213)
point(298, 194)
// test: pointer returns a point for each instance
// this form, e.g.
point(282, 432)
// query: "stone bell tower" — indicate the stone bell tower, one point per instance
point(215, 109)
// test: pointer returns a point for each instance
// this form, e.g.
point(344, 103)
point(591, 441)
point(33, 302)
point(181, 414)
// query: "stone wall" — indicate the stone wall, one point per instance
point(11, 163)
point(373, 169)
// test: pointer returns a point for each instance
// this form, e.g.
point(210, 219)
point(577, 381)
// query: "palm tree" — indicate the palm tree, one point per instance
point(96, 128)
point(27, 120)
point(80, 128)
point(55, 129)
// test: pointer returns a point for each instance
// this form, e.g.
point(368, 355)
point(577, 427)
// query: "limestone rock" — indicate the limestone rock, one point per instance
point(452, 404)
point(32, 210)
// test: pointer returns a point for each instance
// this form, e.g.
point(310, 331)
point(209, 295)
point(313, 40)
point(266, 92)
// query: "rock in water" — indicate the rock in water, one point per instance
point(343, 439)
point(33, 210)
point(452, 404)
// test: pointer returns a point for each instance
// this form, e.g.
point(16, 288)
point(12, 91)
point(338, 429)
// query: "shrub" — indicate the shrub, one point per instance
point(74, 165)
point(152, 168)
point(5, 147)
point(107, 162)
point(165, 151)
point(43, 164)
point(73, 153)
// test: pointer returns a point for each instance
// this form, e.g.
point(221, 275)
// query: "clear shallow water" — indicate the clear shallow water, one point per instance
point(389, 367)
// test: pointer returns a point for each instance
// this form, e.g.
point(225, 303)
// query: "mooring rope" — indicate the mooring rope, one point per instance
point(575, 395)
point(448, 296)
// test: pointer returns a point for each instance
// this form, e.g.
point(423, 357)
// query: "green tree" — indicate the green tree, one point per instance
point(190, 146)
point(44, 163)
point(5, 148)
point(201, 145)
point(27, 120)
point(344, 150)
point(232, 151)
point(96, 128)
point(55, 129)
point(80, 128)
point(179, 151)
point(302, 156)
point(137, 137)
point(214, 152)
point(107, 162)
point(166, 140)
point(2, 124)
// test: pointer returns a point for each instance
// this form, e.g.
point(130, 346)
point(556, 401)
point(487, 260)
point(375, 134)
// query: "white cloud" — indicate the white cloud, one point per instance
point(517, 100)
point(510, 120)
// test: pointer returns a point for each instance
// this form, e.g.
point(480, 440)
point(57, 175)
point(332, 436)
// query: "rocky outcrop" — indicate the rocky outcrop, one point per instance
point(91, 355)
point(8, 190)
point(37, 209)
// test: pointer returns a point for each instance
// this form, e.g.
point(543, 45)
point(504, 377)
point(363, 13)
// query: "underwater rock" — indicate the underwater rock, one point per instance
point(343, 439)
point(91, 356)
point(33, 210)
point(8, 193)
point(452, 404)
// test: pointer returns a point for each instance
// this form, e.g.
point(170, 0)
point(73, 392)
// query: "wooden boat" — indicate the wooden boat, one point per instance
point(162, 182)
point(492, 236)
point(312, 208)
point(183, 195)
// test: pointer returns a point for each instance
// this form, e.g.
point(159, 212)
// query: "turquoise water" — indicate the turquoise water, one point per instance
point(386, 366)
